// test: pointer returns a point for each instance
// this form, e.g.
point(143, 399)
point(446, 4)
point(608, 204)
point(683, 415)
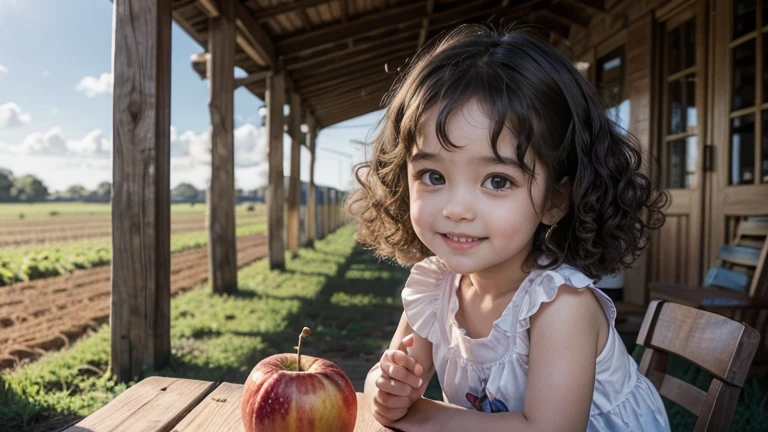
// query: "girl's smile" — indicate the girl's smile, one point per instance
point(462, 242)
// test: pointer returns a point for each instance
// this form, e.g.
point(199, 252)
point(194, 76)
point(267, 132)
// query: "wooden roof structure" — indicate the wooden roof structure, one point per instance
point(330, 60)
point(340, 55)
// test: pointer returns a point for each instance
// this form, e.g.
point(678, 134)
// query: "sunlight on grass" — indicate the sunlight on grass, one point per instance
point(348, 298)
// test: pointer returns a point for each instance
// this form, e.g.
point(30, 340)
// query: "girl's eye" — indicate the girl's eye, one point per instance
point(433, 178)
point(497, 182)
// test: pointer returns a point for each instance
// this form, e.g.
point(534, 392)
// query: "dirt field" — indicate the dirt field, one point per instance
point(49, 314)
point(19, 232)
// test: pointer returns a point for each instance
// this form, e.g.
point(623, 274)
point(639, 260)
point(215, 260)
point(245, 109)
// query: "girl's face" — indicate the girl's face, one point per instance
point(467, 207)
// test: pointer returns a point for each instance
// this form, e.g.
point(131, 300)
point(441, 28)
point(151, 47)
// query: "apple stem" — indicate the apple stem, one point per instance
point(304, 333)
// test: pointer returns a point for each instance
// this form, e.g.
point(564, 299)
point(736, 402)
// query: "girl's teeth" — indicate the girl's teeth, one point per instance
point(462, 239)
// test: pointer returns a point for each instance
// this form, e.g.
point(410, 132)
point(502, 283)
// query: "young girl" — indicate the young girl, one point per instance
point(499, 174)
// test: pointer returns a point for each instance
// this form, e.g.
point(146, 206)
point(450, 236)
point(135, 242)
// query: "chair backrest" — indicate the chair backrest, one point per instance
point(741, 265)
point(719, 345)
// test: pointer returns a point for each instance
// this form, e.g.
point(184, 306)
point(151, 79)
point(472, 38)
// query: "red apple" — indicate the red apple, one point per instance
point(318, 396)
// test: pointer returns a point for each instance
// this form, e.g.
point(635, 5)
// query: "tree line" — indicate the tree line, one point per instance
point(29, 188)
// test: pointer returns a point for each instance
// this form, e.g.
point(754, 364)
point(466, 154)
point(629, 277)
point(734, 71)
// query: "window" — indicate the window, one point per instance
point(610, 85)
point(748, 109)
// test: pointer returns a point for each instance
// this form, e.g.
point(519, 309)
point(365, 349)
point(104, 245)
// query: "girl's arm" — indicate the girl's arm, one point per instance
point(420, 350)
point(561, 375)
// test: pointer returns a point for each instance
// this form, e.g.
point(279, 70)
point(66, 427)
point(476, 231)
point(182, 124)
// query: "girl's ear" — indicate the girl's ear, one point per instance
point(558, 205)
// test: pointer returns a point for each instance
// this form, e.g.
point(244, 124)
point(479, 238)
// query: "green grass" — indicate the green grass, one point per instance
point(350, 300)
point(46, 209)
point(39, 261)
point(329, 288)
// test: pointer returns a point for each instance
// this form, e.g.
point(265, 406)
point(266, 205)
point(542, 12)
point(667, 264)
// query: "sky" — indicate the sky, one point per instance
point(56, 103)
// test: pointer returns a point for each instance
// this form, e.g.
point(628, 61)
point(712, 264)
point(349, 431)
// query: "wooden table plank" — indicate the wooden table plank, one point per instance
point(219, 411)
point(155, 404)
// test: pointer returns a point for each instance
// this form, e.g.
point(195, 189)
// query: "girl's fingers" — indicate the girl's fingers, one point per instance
point(392, 386)
point(387, 400)
point(386, 415)
point(401, 374)
point(400, 358)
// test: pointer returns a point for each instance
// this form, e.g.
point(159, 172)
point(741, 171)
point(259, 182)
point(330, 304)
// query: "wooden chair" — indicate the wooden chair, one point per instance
point(736, 286)
point(719, 345)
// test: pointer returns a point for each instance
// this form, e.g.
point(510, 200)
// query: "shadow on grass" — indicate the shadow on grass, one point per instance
point(352, 316)
point(17, 411)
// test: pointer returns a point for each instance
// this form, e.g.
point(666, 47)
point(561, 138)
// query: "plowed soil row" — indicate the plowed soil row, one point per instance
point(49, 314)
point(67, 230)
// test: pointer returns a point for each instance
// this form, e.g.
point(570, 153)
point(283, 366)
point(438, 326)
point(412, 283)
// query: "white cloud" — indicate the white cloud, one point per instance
point(3, 69)
point(53, 143)
point(50, 143)
point(12, 116)
point(93, 86)
point(46, 73)
point(190, 150)
point(93, 144)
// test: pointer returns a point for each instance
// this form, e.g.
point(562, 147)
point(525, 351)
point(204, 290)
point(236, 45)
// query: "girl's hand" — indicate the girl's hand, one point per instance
point(398, 386)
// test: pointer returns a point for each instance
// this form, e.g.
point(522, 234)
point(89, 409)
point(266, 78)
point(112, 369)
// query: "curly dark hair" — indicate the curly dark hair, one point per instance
point(531, 88)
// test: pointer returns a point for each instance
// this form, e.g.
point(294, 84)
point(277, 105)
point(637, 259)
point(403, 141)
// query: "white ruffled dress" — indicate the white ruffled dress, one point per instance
point(497, 365)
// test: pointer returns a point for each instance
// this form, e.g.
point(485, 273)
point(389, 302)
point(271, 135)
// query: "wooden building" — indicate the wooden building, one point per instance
point(686, 77)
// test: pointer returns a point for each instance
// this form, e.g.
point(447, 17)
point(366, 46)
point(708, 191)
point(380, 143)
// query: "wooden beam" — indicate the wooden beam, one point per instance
point(405, 48)
point(342, 86)
point(222, 247)
point(554, 26)
point(378, 22)
point(352, 110)
point(594, 6)
point(141, 213)
point(312, 193)
point(209, 7)
point(364, 69)
point(339, 32)
point(340, 117)
point(425, 24)
point(275, 99)
point(371, 69)
point(286, 8)
point(569, 13)
point(294, 185)
point(200, 64)
point(257, 39)
point(252, 78)
point(296, 63)
point(373, 96)
point(564, 20)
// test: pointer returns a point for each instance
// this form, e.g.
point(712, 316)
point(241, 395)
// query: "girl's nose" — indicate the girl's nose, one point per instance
point(459, 206)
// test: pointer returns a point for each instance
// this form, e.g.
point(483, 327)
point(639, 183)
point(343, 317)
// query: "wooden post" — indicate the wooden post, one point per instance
point(294, 192)
point(327, 211)
point(335, 209)
point(222, 248)
point(312, 193)
point(275, 99)
point(321, 214)
point(141, 214)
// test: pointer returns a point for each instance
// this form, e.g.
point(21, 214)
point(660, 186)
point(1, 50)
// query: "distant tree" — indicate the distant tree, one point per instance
point(6, 185)
point(104, 191)
point(185, 192)
point(76, 192)
point(29, 188)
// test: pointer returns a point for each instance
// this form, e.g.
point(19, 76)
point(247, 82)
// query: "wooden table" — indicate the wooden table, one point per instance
point(174, 404)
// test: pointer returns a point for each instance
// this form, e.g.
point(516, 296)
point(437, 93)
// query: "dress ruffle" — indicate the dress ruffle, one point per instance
point(422, 294)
